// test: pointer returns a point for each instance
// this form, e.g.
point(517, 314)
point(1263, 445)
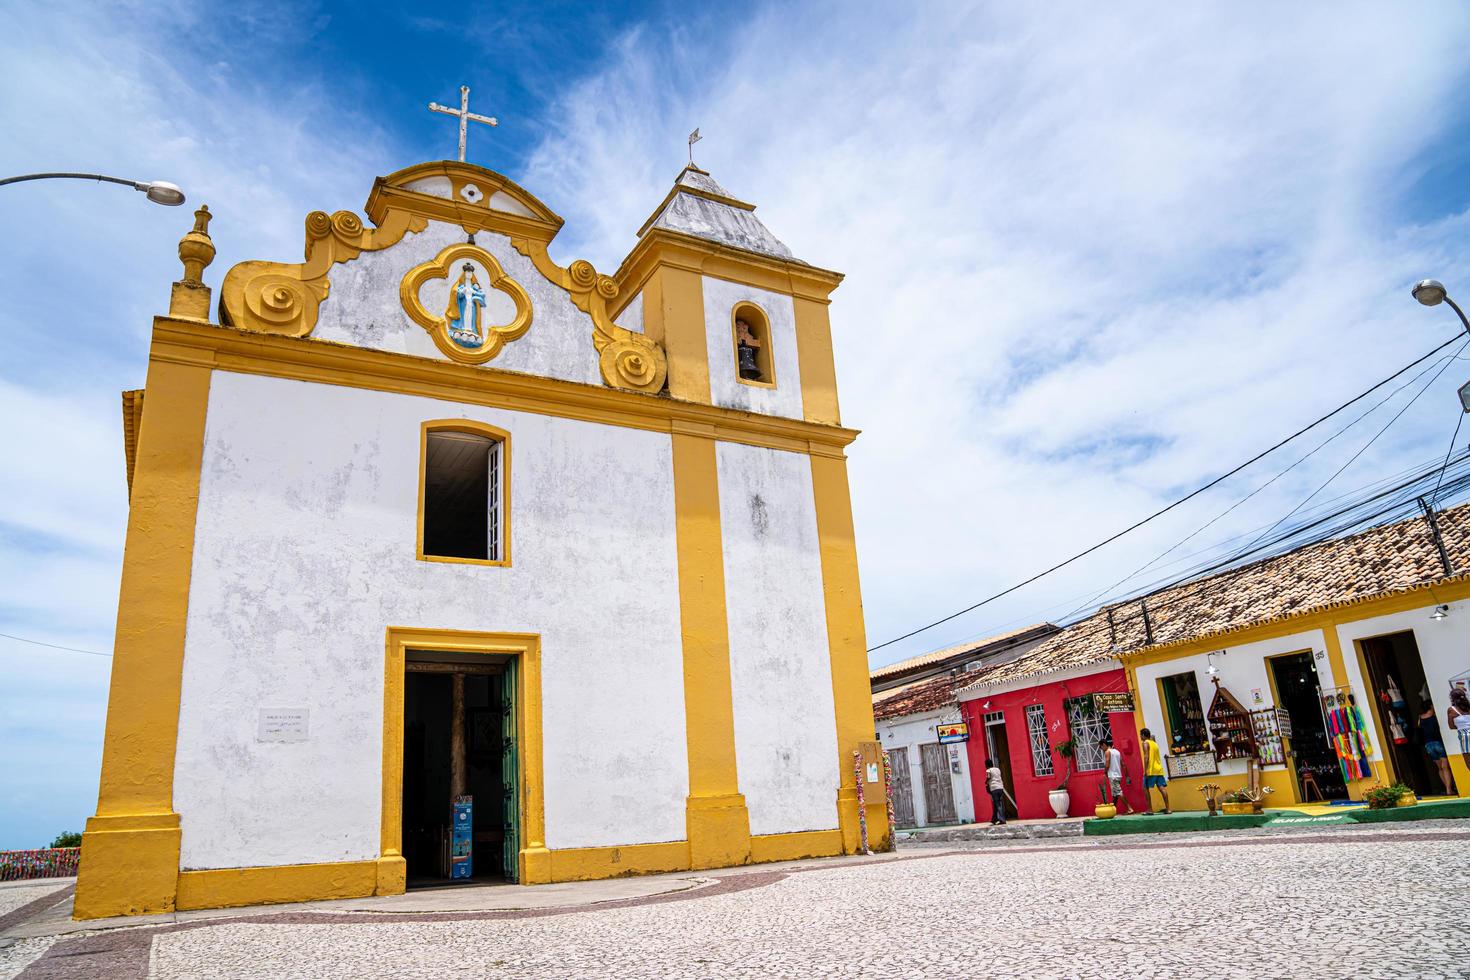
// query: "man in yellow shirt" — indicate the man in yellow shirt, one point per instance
point(1153, 772)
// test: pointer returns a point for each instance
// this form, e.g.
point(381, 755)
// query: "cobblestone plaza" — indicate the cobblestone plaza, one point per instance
point(1348, 903)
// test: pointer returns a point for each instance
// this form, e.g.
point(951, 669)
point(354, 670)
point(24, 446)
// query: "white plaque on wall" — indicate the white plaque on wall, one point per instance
point(282, 725)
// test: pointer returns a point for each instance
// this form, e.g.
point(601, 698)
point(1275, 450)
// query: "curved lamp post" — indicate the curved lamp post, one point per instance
point(1431, 292)
point(158, 191)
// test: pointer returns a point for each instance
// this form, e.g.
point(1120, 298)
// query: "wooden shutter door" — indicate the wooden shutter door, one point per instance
point(938, 791)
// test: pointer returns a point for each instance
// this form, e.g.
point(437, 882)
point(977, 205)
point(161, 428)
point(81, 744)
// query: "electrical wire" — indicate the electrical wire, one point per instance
point(1164, 510)
point(1434, 495)
point(1202, 528)
point(53, 646)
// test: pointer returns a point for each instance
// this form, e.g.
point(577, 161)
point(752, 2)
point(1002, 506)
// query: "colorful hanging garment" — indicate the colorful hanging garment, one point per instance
point(1350, 742)
point(1361, 743)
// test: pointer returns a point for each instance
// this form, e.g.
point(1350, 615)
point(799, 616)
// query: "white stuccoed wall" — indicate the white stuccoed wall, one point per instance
point(304, 555)
point(781, 674)
point(1444, 649)
point(1243, 668)
point(720, 299)
point(909, 732)
point(363, 307)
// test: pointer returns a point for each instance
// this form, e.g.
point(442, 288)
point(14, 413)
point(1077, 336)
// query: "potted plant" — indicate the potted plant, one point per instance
point(1059, 798)
point(1105, 809)
point(1384, 797)
point(1237, 803)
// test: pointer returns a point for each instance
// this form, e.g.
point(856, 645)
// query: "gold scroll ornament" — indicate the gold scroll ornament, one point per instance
point(283, 298)
point(627, 359)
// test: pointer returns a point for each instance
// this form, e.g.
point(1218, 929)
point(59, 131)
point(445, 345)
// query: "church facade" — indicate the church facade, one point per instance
point(445, 561)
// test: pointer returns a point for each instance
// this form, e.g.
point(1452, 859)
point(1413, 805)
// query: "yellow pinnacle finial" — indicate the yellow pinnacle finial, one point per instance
point(196, 251)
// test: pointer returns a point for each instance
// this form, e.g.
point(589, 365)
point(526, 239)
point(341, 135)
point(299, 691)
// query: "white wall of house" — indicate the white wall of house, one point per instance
point(1243, 671)
point(907, 732)
point(1444, 648)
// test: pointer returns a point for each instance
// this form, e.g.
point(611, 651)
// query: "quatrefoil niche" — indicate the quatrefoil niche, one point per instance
point(448, 296)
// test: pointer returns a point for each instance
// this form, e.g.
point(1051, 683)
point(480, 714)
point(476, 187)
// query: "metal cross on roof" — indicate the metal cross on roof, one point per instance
point(464, 114)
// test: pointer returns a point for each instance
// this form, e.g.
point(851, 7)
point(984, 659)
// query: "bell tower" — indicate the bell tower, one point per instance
point(743, 321)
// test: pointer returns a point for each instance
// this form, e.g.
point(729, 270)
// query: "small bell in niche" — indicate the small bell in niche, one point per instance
point(746, 346)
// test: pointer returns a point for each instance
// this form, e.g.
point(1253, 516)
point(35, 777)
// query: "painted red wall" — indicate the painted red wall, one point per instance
point(1030, 790)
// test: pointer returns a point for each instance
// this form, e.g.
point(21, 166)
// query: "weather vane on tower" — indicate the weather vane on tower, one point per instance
point(465, 115)
point(694, 137)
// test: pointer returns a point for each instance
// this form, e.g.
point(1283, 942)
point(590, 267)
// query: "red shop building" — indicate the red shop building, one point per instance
point(1017, 713)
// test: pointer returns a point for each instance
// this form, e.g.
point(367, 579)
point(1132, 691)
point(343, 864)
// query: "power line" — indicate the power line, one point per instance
point(53, 646)
point(1308, 455)
point(1352, 459)
point(1164, 510)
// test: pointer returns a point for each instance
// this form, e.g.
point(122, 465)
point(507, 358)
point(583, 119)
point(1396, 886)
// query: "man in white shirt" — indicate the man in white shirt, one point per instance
point(1114, 760)
point(997, 787)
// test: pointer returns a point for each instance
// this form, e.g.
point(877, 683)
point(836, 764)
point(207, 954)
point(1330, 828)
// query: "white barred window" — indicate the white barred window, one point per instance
point(1089, 728)
point(1040, 746)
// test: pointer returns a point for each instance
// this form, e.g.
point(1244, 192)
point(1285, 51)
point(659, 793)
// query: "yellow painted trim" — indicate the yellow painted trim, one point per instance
point(132, 411)
point(793, 847)
point(1184, 791)
point(1383, 767)
point(130, 850)
point(473, 428)
point(390, 190)
point(847, 645)
point(716, 818)
point(593, 863)
point(391, 867)
point(182, 342)
point(1276, 703)
point(661, 248)
point(285, 298)
point(231, 887)
point(442, 266)
point(814, 357)
point(768, 341)
point(673, 318)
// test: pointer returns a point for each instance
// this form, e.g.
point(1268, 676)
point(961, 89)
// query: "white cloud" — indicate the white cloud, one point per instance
point(1093, 258)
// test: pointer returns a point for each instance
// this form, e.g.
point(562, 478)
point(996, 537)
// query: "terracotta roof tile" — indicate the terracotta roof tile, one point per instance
point(1371, 563)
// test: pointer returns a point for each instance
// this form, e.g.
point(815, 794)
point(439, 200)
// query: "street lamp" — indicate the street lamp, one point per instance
point(1431, 292)
point(157, 191)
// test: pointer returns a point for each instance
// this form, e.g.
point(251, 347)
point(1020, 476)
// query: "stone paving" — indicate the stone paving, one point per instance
point(1371, 903)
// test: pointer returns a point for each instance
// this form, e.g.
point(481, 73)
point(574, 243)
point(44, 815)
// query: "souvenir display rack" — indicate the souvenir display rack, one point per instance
point(1266, 731)
point(1230, 724)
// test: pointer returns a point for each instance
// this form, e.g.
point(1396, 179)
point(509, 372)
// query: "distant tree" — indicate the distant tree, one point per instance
point(69, 838)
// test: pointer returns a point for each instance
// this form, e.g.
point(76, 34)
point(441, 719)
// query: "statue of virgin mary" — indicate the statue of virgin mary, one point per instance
point(465, 309)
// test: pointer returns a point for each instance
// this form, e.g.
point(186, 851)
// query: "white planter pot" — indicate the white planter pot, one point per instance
point(1059, 799)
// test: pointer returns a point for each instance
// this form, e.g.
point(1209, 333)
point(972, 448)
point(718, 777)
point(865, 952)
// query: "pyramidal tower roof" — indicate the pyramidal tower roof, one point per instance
point(697, 205)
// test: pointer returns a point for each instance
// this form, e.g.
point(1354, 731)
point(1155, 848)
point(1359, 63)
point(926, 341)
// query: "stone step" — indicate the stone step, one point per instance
point(1041, 830)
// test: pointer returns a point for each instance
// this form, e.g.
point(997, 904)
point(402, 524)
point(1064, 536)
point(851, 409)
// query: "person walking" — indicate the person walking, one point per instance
point(1153, 772)
point(1433, 744)
point(997, 787)
point(1114, 773)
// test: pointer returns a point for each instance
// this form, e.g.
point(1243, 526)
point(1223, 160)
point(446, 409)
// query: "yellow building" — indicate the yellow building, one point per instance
point(1338, 666)
point(430, 517)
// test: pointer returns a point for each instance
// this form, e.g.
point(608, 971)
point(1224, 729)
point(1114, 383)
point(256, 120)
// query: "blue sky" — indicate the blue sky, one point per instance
point(1093, 257)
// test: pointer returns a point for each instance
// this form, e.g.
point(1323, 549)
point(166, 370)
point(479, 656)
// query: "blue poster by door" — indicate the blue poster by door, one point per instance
point(462, 838)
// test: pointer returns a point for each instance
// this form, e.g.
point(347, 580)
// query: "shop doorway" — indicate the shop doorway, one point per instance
point(1400, 694)
point(459, 747)
point(998, 747)
point(1312, 759)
